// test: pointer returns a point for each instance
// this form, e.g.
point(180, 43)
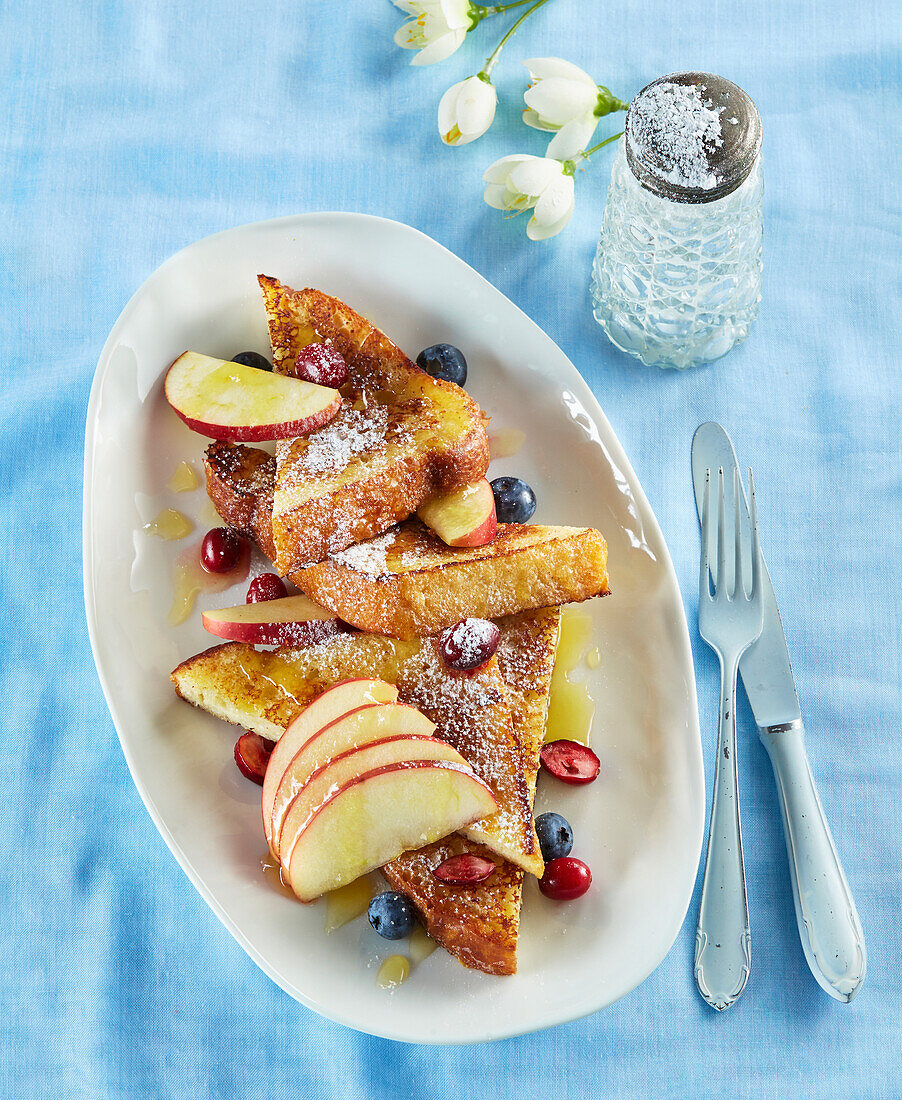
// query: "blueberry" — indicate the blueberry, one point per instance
point(515, 501)
point(555, 836)
point(391, 915)
point(444, 361)
point(252, 359)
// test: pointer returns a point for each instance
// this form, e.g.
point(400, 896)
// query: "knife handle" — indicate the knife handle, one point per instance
point(831, 933)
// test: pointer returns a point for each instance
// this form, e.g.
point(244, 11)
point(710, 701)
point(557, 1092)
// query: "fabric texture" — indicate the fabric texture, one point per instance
point(128, 131)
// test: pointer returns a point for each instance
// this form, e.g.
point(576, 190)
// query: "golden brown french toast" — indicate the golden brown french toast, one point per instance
point(263, 690)
point(239, 483)
point(480, 924)
point(407, 582)
point(399, 438)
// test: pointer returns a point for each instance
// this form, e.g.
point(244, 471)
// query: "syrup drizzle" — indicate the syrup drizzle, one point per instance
point(571, 707)
point(348, 902)
point(189, 578)
point(506, 442)
point(393, 972)
point(421, 945)
point(170, 524)
point(184, 480)
point(275, 876)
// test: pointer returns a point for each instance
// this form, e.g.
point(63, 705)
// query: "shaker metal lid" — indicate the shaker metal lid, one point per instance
point(692, 137)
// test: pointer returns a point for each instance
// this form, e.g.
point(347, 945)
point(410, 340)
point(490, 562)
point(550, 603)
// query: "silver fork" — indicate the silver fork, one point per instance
point(729, 619)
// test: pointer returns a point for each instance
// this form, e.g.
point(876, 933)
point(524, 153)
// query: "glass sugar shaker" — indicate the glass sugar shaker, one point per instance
point(677, 275)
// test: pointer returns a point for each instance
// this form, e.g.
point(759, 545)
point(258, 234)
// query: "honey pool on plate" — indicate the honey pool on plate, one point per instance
point(170, 524)
point(346, 904)
point(571, 708)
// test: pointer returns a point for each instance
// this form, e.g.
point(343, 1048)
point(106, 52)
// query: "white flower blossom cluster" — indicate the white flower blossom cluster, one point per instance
point(561, 99)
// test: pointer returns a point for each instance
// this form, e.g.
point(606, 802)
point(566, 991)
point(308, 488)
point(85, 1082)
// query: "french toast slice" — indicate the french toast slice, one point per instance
point(399, 438)
point(480, 924)
point(263, 690)
point(406, 582)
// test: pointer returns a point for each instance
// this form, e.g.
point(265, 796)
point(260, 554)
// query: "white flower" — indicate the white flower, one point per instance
point(437, 28)
point(541, 184)
point(562, 98)
point(466, 110)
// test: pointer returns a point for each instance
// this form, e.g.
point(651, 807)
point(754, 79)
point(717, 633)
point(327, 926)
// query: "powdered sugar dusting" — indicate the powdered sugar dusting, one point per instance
point(367, 557)
point(352, 432)
point(678, 127)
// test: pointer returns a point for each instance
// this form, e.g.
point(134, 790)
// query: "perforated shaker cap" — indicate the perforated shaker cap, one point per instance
point(692, 137)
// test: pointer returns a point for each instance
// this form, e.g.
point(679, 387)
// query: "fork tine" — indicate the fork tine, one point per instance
point(704, 588)
point(756, 546)
point(738, 583)
point(720, 582)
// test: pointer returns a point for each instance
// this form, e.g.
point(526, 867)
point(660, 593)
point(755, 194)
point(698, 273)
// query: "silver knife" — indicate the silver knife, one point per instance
point(829, 927)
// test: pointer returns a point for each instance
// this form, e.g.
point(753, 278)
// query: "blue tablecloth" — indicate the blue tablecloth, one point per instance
point(130, 130)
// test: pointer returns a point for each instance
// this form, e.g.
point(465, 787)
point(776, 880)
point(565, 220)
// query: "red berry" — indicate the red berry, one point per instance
point(266, 587)
point(252, 754)
point(322, 364)
point(468, 644)
point(570, 761)
point(464, 870)
point(220, 552)
point(565, 878)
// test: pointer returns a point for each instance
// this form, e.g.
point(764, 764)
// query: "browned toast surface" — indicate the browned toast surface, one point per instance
point(239, 483)
point(480, 924)
point(407, 582)
point(263, 690)
point(399, 438)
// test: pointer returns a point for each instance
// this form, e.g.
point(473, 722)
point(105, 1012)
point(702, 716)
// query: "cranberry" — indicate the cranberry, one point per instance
point(266, 587)
point(468, 644)
point(220, 552)
point(565, 879)
point(464, 870)
point(322, 364)
point(252, 754)
point(570, 761)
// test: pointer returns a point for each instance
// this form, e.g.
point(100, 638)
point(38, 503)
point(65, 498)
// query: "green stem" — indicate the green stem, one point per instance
point(494, 9)
point(493, 56)
point(607, 141)
point(478, 12)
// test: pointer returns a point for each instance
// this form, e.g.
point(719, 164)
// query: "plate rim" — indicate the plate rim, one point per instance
point(593, 407)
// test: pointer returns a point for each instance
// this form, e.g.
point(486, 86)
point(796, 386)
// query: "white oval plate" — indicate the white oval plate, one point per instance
point(639, 826)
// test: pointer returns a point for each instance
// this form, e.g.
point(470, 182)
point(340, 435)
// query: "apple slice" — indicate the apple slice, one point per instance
point(379, 815)
point(352, 730)
point(291, 620)
point(335, 701)
point(243, 404)
point(465, 517)
point(348, 765)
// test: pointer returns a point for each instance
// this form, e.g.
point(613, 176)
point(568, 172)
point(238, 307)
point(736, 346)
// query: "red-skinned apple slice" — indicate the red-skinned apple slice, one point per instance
point(465, 517)
point(379, 815)
point(291, 620)
point(352, 730)
point(243, 404)
point(335, 701)
point(341, 769)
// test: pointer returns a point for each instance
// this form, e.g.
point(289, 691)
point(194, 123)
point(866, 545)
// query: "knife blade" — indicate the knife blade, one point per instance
point(765, 668)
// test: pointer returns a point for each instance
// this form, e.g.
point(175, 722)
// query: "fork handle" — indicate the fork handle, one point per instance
point(723, 956)
point(831, 933)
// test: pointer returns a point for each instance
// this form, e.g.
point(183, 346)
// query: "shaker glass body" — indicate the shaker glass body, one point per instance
point(677, 283)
